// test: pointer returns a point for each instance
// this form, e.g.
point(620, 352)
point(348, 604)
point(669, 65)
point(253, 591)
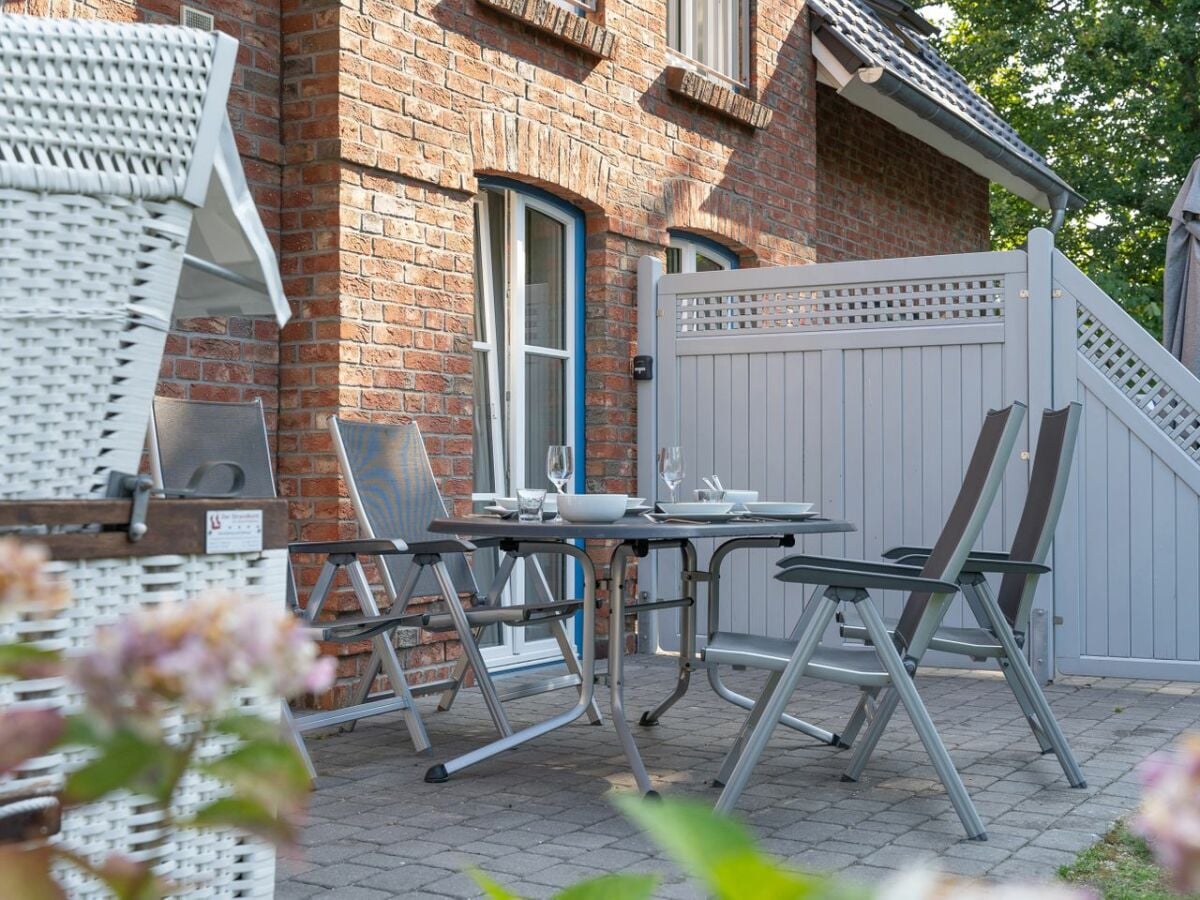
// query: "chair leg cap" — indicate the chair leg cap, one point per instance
point(835, 740)
point(979, 838)
point(652, 797)
point(645, 721)
point(847, 778)
point(437, 775)
point(1080, 786)
point(1047, 751)
point(718, 783)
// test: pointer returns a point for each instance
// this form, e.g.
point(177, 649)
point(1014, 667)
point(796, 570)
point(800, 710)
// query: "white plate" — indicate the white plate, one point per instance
point(779, 509)
point(696, 509)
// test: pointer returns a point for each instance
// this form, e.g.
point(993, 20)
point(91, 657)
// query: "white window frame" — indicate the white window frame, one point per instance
point(728, 46)
point(688, 249)
point(580, 6)
point(508, 457)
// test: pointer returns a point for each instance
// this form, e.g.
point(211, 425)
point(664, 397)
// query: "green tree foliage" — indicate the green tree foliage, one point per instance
point(1108, 90)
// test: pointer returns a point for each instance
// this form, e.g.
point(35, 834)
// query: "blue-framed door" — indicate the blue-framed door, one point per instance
point(529, 366)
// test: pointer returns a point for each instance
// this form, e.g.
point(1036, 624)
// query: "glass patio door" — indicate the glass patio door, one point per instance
point(524, 366)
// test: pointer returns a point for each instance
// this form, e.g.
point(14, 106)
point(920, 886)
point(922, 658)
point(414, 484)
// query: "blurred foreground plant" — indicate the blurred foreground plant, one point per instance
point(180, 663)
point(719, 853)
point(1169, 818)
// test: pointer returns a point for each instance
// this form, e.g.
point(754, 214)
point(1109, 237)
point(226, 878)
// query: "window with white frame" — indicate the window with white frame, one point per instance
point(711, 36)
point(580, 6)
point(686, 253)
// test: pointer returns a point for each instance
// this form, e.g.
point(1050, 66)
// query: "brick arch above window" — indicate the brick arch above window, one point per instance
point(714, 213)
point(507, 145)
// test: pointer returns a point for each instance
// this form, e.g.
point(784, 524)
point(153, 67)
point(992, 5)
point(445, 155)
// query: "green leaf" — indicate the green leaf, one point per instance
point(243, 814)
point(718, 851)
point(492, 888)
point(269, 771)
point(25, 873)
point(247, 727)
point(28, 661)
point(125, 761)
point(611, 887)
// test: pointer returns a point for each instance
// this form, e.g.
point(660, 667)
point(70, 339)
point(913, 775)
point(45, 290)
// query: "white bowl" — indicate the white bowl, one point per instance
point(634, 502)
point(696, 509)
point(550, 504)
point(779, 509)
point(740, 498)
point(593, 508)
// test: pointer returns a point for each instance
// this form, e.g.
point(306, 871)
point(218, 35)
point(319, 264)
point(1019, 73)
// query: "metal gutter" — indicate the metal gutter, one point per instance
point(921, 104)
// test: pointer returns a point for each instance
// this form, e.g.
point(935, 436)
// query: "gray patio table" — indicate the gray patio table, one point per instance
point(636, 537)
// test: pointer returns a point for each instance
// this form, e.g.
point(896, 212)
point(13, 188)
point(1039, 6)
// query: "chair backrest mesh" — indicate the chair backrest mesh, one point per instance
point(1043, 503)
point(193, 432)
point(980, 484)
point(395, 494)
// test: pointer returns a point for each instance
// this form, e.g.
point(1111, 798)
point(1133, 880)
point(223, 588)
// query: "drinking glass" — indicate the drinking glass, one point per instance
point(529, 504)
point(560, 465)
point(670, 468)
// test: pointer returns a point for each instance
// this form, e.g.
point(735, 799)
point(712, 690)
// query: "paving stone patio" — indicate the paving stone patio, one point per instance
point(538, 818)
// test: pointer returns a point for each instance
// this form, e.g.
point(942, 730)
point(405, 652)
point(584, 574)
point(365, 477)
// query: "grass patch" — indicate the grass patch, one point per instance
point(1119, 867)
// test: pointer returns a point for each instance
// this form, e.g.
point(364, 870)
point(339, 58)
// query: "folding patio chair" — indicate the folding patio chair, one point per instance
point(395, 495)
point(199, 448)
point(1002, 623)
point(892, 659)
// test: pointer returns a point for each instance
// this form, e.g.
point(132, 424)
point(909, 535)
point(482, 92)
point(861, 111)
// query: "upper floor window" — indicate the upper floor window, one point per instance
point(688, 253)
point(580, 6)
point(712, 36)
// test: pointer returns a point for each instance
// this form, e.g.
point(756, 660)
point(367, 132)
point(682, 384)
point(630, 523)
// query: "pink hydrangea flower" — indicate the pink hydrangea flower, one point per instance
point(197, 654)
point(1169, 818)
point(23, 579)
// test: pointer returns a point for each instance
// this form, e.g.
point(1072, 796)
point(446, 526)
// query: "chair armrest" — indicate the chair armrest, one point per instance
point(852, 565)
point(363, 547)
point(851, 579)
point(904, 550)
point(442, 545)
point(976, 565)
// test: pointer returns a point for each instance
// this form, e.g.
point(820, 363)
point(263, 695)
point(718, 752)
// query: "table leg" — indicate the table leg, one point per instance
point(687, 638)
point(587, 667)
point(616, 666)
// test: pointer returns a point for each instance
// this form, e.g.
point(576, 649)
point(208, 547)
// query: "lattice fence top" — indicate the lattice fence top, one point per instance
point(1173, 415)
point(859, 306)
point(101, 108)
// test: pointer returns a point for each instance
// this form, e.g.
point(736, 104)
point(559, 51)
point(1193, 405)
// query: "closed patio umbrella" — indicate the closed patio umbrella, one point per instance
point(1181, 280)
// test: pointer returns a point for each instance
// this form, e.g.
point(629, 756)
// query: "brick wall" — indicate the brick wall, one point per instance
point(365, 128)
point(883, 193)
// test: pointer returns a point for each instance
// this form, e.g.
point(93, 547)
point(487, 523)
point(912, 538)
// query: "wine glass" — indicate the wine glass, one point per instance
point(560, 464)
point(670, 468)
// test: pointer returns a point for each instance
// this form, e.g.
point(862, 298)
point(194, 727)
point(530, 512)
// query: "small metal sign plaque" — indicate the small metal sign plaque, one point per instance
point(233, 531)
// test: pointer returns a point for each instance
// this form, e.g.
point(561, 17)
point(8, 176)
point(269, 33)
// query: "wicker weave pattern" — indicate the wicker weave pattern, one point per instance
point(214, 863)
point(85, 306)
point(100, 108)
point(107, 138)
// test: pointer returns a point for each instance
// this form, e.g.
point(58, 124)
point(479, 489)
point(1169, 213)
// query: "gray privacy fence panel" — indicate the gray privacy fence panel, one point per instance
point(1127, 574)
point(861, 386)
point(857, 386)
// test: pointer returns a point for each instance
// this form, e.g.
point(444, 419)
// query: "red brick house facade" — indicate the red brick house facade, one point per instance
point(365, 129)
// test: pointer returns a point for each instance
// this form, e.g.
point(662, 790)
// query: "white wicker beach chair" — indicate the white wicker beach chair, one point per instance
point(109, 137)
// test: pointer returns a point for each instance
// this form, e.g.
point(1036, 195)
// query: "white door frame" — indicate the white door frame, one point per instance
point(509, 456)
